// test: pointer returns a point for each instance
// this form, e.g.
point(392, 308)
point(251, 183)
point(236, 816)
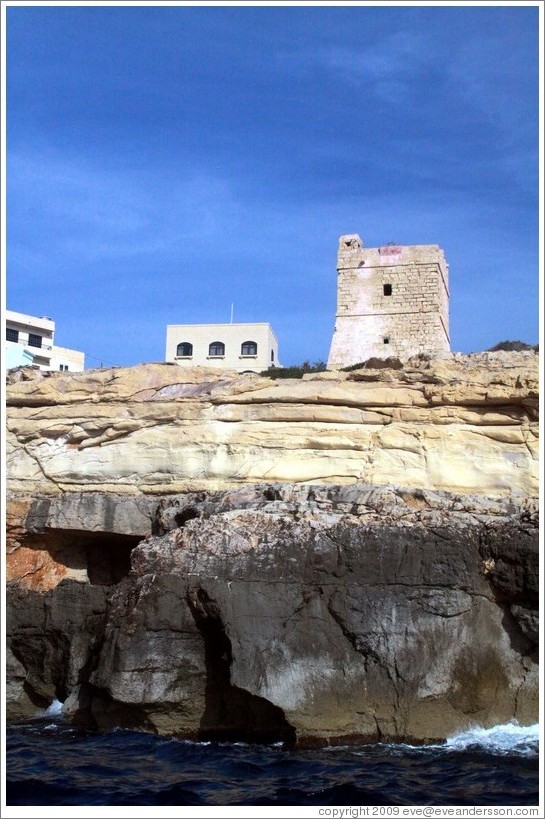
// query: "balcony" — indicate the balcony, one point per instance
point(32, 347)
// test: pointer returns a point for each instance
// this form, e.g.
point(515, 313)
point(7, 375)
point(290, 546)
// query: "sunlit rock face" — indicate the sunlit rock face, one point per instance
point(349, 557)
point(463, 424)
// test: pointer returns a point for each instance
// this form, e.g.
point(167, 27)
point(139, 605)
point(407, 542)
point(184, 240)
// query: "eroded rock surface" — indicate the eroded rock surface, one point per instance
point(213, 555)
point(460, 423)
point(282, 612)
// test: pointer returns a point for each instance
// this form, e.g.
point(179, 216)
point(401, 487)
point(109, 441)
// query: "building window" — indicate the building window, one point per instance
point(249, 348)
point(63, 368)
point(217, 348)
point(34, 340)
point(272, 355)
point(184, 349)
point(386, 339)
point(12, 335)
point(387, 289)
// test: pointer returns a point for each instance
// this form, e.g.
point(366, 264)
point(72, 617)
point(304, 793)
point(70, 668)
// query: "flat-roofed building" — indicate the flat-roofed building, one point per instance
point(242, 347)
point(30, 340)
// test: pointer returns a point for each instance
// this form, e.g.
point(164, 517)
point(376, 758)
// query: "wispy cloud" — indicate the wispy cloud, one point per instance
point(93, 213)
point(393, 60)
point(489, 74)
point(385, 68)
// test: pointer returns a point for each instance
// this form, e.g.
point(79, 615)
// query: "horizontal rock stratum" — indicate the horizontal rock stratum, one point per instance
point(163, 573)
point(461, 424)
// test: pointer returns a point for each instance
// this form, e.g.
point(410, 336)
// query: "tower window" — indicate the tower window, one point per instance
point(184, 349)
point(387, 289)
point(217, 348)
point(386, 339)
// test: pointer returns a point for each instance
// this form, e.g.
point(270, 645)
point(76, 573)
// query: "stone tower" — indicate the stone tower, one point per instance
point(391, 301)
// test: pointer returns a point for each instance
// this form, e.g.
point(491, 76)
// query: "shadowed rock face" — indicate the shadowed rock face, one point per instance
point(230, 713)
point(278, 612)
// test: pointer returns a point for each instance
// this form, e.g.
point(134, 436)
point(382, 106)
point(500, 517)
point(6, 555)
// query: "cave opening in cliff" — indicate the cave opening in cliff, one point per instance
point(100, 558)
point(108, 557)
point(231, 714)
point(189, 513)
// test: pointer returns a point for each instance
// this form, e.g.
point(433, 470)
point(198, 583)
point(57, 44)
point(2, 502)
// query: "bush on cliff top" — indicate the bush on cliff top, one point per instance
point(392, 363)
point(516, 346)
point(296, 371)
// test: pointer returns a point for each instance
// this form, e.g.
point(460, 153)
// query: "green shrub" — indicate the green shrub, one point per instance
point(516, 346)
point(391, 363)
point(296, 371)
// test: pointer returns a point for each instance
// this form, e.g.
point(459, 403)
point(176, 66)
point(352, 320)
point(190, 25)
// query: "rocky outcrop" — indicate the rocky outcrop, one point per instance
point(461, 424)
point(205, 554)
point(285, 612)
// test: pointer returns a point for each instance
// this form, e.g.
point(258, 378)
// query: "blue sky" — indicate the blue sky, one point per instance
point(165, 162)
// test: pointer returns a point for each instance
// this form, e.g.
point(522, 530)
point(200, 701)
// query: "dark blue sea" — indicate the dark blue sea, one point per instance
point(49, 763)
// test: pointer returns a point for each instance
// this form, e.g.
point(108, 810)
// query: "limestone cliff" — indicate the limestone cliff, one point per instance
point(460, 424)
point(162, 576)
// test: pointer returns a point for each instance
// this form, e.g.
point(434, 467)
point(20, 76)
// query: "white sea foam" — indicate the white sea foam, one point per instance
point(509, 738)
point(53, 710)
point(501, 739)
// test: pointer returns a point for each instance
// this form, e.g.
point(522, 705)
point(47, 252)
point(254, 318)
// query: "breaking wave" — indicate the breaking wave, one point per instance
point(54, 709)
point(510, 738)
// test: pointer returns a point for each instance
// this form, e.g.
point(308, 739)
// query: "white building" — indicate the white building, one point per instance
point(30, 340)
point(241, 347)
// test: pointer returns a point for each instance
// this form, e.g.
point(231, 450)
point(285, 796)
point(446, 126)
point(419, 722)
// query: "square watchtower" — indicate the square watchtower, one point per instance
point(391, 301)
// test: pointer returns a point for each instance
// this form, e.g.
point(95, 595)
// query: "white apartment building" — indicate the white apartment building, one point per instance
point(30, 340)
point(241, 347)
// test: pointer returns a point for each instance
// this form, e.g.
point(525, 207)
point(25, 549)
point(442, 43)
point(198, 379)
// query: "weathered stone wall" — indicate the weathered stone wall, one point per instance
point(414, 317)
